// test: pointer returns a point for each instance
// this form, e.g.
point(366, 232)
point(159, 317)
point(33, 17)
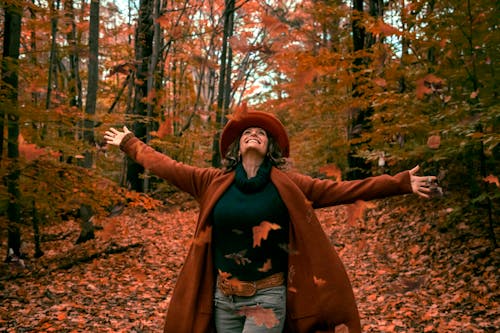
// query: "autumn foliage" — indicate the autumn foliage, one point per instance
point(393, 83)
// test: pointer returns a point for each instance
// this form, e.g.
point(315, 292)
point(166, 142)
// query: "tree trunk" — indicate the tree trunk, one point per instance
point(10, 108)
point(75, 84)
point(224, 92)
point(36, 231)
point(54, 8)
point(93, 81)
point(86, 225)
point(87, 228)
point(359, 119)
point(151, 124)
point(143, 51)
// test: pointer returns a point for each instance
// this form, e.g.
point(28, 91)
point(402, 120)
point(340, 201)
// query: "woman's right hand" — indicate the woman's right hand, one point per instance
point(114, 136)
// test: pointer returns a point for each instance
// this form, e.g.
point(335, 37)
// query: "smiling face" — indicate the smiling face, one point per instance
point(254, 139)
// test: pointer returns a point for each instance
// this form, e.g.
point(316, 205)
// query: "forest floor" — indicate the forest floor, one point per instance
point(410, 271)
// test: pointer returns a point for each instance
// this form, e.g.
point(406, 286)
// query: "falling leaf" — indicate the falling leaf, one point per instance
point(261, 316)
point(266, 267)
point(239, 257)
point(332, 171)
point(427, 85)
point(434, 141)
point(165, 128)
point(492, 180)
point(318, 281)
point(261, 231)
point(356, 210)
point(380, 82)
point(224, 275)
point(239, 112)
point(474, 94)
point(29, 151)
point(341, 329)
point(204, 236)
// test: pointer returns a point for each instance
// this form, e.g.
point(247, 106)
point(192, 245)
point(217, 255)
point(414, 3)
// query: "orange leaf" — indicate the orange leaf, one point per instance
point(331, 170)
point(415, 249)
point(492, 180)
point(341, 329)
point(204, 236)
point(239, 112)
point(356, 210)
point(434, 141)
point(165, 128)
point(380, 82)
point(261, 316)
point(29, 151)
point(61, 316)
point(318, 281)
point(261, 231)
point(266, 267)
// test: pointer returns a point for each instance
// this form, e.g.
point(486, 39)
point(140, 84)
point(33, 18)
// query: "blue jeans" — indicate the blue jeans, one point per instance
point(263, 312)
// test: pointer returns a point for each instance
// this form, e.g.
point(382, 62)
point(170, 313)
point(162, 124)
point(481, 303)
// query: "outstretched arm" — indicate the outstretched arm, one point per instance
point(325, 192)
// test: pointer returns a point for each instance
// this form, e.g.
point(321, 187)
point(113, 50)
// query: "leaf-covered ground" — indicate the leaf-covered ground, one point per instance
point(409, 275)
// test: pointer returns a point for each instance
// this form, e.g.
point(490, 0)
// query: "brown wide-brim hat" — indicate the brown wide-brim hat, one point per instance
point(243, 120)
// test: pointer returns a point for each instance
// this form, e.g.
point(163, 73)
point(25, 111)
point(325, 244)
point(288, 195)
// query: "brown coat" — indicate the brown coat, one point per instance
point(311, 306)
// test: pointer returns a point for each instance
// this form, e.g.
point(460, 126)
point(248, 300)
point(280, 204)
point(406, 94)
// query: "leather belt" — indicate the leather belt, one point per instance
point(236, 287)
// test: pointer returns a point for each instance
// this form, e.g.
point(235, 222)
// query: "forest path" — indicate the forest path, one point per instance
point(408, 276)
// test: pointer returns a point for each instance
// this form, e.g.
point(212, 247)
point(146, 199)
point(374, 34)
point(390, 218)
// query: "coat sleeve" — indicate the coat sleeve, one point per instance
point(187, 178)
point(326, 192)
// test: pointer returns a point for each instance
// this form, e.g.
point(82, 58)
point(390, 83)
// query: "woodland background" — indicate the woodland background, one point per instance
point(363, 87)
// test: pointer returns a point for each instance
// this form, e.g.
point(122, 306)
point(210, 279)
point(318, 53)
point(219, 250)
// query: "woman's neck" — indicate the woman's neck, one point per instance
point(251, 165)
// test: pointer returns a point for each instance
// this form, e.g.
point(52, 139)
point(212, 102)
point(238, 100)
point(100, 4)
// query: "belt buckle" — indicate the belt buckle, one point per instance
point(253, 289)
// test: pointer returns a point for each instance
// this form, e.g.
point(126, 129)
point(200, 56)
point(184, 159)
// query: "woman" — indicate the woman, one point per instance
point(260, 261)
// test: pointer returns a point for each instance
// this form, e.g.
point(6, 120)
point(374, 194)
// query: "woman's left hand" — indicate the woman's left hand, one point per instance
point(421, 185)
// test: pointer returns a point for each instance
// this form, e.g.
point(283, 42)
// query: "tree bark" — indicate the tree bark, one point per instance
point(224, 92)
point(54, 8)
point(87, 227)
point(75, 83)
point(143, 51)
point(10, 108)
point(93, 75)
point(359, 121)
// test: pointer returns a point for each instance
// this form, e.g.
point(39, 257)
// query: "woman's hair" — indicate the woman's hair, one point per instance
point(274, 155)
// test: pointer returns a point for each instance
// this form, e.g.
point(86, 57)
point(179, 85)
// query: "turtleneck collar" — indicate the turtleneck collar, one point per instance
point(256, 183)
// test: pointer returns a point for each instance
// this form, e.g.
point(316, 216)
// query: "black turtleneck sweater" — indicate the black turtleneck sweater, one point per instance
point(238, 213)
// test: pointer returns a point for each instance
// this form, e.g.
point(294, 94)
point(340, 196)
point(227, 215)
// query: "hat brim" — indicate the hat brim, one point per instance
point(235, 127)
